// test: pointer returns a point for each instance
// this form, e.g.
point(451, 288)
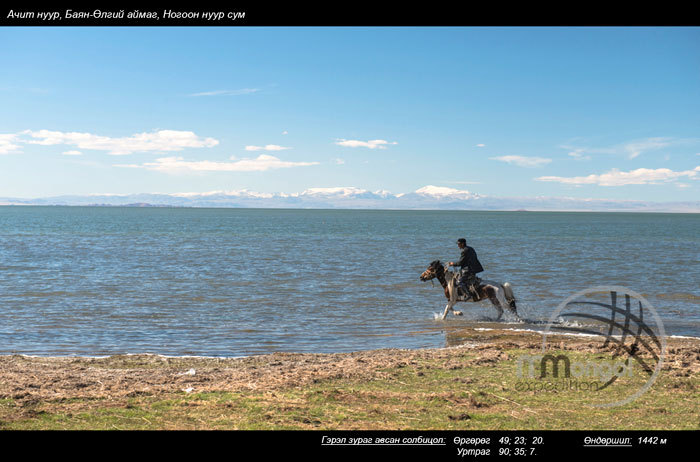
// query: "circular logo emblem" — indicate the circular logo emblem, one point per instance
point(629, 342)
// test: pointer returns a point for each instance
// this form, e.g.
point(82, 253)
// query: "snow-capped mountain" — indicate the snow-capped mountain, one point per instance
point(428, 198)
point(441, 192)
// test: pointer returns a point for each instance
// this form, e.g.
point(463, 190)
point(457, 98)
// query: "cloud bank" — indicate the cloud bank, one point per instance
point(8, 143)
point(617, 178)
point(159, 141)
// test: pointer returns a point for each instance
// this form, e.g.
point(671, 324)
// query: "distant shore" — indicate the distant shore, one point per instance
point(465, 386)
point(671, 208)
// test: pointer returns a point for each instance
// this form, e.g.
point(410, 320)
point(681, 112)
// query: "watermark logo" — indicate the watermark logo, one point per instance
point(628, 348)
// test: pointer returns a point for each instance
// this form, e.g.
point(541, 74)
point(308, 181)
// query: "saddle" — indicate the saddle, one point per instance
point(468, 284)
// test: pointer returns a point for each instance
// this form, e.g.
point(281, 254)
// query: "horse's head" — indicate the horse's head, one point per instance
point(434, 270)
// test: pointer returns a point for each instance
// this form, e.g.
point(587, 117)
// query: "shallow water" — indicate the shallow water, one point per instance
point(232, 282)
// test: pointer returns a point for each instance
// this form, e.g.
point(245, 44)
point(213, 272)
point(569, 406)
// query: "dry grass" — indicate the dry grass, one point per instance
point(471, 386)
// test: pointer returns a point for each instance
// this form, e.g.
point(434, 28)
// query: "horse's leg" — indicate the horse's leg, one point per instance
point(509, 301)
point(491, 293)
point(500, 312)
point(513, 309)
point(456, 313)
point(447, 310)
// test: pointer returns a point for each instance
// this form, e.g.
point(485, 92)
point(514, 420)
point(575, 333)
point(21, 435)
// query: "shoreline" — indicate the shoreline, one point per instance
point(270, 391)
point(482, 330)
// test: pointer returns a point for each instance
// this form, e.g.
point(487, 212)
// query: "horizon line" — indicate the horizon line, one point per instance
point(375, 209)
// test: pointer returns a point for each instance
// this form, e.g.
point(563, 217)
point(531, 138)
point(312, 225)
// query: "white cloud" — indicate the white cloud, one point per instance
point(523, 161)
point(371, 144)
point(480, 145)
point(242, 91)
point(285, 132)
point(631, 149)
point(72, 153)
point(578, 153)
point(8, 143)
point(268, 147)
point(444, 192)
point(618, 178)
point(177, 164)
point(162, 140)
point(339, 161)
point(635, 148)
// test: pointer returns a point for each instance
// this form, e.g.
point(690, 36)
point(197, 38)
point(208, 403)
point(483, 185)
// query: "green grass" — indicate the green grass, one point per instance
point(431, 394)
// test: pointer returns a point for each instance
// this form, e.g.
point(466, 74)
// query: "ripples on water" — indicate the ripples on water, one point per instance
point(232, 282)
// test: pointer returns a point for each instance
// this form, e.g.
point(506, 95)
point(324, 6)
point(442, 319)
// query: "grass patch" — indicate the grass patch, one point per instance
point(466, 390)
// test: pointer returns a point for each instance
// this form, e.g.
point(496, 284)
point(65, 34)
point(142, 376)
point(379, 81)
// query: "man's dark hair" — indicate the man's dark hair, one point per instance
point(461, 240)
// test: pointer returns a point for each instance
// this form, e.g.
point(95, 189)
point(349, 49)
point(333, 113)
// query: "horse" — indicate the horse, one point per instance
point(500, 295)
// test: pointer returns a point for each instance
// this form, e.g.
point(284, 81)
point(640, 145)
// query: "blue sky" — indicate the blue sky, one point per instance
point(582, 112)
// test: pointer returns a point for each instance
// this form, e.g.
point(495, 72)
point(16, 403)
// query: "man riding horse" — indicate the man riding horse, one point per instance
point(470, 266)
point(472, 288)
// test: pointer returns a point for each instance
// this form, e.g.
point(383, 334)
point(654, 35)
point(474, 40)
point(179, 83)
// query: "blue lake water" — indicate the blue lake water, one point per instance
point(235, 282)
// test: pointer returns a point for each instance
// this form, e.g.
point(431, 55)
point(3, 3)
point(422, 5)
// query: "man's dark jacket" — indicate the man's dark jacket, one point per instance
point(469, 262)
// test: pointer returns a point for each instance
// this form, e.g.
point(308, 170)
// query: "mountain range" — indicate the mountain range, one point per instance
point(426, 198)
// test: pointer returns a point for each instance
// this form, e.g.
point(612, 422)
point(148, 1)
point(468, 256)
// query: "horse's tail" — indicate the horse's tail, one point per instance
point(508, 292)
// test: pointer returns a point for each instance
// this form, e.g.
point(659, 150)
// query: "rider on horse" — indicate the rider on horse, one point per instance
point(469, 264)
